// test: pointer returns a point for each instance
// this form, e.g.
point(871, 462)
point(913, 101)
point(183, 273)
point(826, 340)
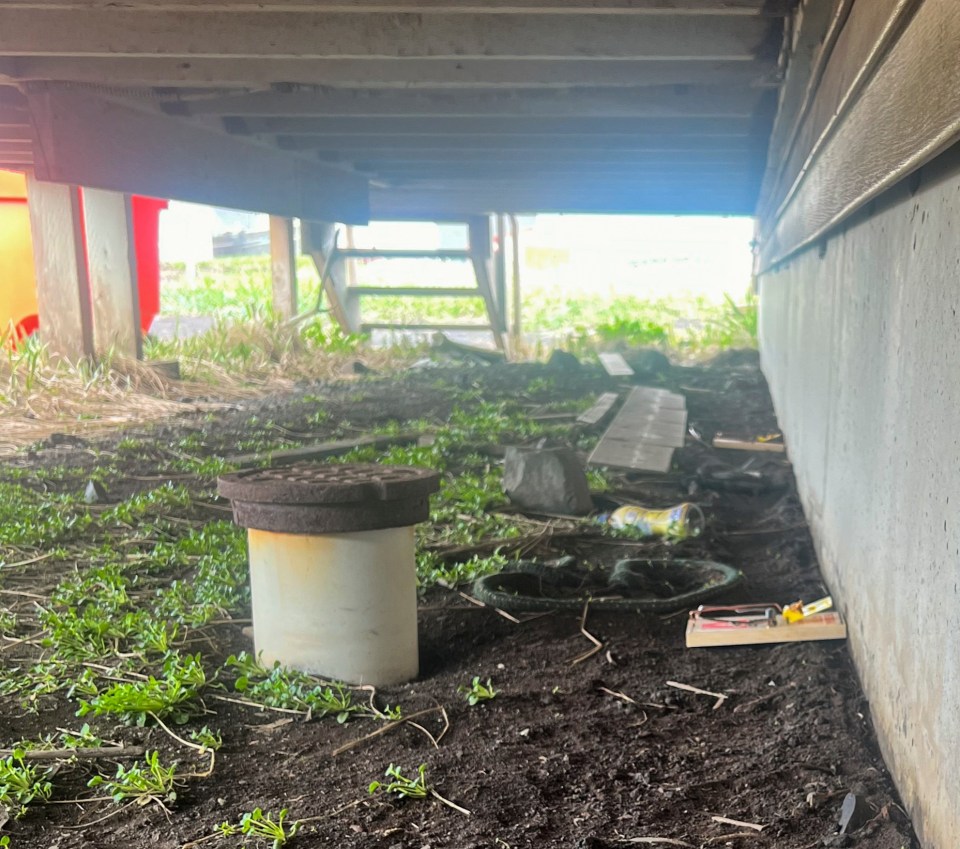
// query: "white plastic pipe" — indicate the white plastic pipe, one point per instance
point(341, 606)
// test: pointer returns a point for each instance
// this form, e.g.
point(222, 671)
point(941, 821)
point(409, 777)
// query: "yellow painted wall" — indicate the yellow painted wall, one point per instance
point(18, 298)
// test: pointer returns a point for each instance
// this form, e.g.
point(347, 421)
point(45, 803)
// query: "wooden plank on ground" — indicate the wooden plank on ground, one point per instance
point(615, 365)
point(745, 445)
point(600, 410)
point(319, 451)
point(632, 455)
point(642, 436)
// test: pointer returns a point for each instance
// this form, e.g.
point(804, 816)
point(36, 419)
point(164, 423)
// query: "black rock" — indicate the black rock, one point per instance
point(563, 361)
point(549, 480)
point(647, 362)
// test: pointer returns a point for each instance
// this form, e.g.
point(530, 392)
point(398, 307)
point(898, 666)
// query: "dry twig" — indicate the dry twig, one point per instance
point(597, 645)
point(720, 697)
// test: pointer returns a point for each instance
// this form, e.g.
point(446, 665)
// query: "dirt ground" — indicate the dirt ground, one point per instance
point(597, 753)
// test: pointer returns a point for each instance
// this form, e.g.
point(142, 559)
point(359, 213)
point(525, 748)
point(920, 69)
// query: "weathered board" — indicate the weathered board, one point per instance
point(600, 410)
point(615, 365)
point(643, 435)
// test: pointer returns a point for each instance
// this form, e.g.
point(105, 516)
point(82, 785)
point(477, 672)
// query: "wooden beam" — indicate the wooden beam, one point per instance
point(63, 289)
point(650, 101)
point(416, 291)
point(283, 267)
point(85, 139)
point(907, 114)
point(350, 147)
point(111, 32)
point(569, 196)
point(112, 262)
point(365, 160)
point(526, 171)
point(651, 128)
point(765, 8)
point(410, 73)
point(16, 132)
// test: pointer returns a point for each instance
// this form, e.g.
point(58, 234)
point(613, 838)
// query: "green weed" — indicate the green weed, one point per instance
point(207, 739)
point(21, 784)
point(176, 696)
point(261, 825)
point(477, 691)
point(149, 782)
point(401, 785)
point(281, 687)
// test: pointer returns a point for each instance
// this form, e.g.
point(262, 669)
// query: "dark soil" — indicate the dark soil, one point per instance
point(593, 753)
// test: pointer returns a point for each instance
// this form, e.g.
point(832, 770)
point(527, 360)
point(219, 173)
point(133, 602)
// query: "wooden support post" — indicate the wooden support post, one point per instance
point(63, 289)
point(500, 293)
point(112, 261)
point(516, 323)
point(283, 267)
point(320, 241)
point(350, 267)
point(479, 230)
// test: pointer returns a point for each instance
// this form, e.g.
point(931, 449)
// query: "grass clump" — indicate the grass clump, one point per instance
point(261, 825)
point(281, 687)
point(477, 691)
point(22, 784)
point(141, 783)
point(174, 697)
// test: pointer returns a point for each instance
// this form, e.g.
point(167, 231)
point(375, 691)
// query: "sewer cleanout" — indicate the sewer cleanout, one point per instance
point(332, 566)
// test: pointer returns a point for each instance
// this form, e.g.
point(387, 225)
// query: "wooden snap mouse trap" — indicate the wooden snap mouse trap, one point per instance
point(754, 624)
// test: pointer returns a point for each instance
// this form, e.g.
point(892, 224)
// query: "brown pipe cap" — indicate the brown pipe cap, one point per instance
point(330, 497)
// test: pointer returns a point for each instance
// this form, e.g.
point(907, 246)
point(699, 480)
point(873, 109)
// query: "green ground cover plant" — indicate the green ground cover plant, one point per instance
point(239, 289)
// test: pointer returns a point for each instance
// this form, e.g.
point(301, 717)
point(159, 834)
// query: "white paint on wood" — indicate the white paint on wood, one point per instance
point(560, 7)
point(389, 73)
point(63, 290)
point(112, 258)
point(710, 101)
point(319, 35)
point(283, 267)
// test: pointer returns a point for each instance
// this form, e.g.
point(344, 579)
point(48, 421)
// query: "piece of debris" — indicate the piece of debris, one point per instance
point(720, 697)
point(643, 435)
point(632, 586)
point(772, 443)
point(483, 356)
point(739, 823)
point(336, 448)
point(750, 478)
point(648, 362)
point(615, 365)
point(679, 522)
point(548, 480)
point(95, 493)
point(855, 811)
point(358, 367)
point(600, 410)
point(563, 361)
point(751, 624)
point(168, 369)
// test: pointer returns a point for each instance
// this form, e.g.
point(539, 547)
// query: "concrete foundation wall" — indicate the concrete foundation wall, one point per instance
point(860, 341)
